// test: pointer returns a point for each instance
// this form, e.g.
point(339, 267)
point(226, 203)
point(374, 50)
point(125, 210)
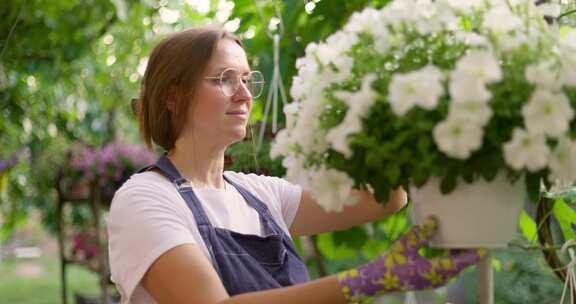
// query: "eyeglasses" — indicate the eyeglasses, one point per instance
point(230, 79)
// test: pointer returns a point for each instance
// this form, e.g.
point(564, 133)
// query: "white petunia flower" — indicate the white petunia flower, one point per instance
point(306, 80)
point(368, 21)
point(457, 138)
point(311, 80)
point(513, 2)
point(547, 113)
point(341, 41)
point(431, 17)
point(307, 132)
point(563, 160)
point(482, 65)
point(360, 101)
point(526, 150)
point(509, 42)
point(472, 39)
point(296, 171)
point(500, 20)
point(568, 72)
point(463, 6)
point(337, 137)
point(463, 87)
point(420, 88)
point(344, 69)
point(332, 189)
point(281, 144)
point(425, 16)
point(568, 57)
point(568, 40)
point(544, 74)
point(550, 9)
point(327, 53)
point(359, 104)
point(291, 112)
point(476, 112)
point(398, 12)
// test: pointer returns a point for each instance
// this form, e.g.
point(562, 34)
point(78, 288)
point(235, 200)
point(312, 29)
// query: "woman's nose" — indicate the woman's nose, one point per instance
point(243, 93)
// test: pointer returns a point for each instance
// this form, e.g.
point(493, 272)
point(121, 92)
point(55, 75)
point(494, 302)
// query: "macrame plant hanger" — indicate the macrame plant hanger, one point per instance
point(276, 85)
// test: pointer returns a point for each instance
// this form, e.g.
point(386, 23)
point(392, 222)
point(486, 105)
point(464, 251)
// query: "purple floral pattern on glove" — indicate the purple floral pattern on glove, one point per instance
point(402, 268)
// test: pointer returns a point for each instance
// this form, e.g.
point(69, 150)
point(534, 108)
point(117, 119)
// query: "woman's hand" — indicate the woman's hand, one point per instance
point(402, 268)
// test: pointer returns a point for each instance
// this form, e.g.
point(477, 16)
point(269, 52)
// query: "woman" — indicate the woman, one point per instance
point(183, 231)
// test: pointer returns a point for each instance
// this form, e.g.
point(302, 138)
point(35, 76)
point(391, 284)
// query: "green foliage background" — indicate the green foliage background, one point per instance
point(68, 69)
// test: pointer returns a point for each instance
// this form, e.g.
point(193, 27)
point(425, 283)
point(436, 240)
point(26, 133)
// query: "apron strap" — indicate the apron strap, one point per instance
point(167, 169)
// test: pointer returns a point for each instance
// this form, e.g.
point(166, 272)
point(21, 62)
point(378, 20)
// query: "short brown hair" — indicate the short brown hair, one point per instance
point(174, 68)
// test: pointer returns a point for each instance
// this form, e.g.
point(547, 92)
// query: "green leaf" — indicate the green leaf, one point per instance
point(497, 265)
point(354, 237)
point(381, 194)
point(568, 195)
point(328, 249)
point(528, 226)
point(533, 187)
point(392, 172)
point(3, 184)
point(566, 217)
point(448, 183)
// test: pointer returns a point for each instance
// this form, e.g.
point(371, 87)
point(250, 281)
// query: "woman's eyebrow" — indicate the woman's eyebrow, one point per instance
point(243, 71)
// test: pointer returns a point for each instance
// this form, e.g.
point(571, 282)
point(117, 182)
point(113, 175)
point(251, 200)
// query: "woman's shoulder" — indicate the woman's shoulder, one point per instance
point(146, 188)
point(262, 184)
point(146, 182)
point(252, 179)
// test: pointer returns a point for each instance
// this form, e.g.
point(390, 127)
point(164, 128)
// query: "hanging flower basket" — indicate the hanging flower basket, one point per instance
point(434, 94)
point(107, 167)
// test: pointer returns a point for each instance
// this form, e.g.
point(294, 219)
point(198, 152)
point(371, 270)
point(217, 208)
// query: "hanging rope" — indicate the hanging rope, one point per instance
point(570, 283)
point(277, 85)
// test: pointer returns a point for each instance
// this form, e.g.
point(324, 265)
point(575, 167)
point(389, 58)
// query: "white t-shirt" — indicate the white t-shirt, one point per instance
point(148, 217)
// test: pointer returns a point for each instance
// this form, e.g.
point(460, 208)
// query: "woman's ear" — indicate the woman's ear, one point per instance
point(172, 100)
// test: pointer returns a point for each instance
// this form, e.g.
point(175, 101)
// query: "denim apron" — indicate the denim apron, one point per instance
point(244, 262)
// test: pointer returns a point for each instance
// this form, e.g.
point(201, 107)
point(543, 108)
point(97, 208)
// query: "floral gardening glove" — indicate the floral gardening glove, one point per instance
point(403, 269)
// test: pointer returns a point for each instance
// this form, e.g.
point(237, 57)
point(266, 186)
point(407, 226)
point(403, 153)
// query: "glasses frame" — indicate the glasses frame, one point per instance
point(239, 81)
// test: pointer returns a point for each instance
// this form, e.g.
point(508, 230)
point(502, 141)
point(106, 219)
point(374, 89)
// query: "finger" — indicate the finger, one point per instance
point(420, 235)
point(464, 259)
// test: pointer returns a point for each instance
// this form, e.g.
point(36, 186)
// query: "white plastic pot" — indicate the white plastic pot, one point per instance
point(474, 215)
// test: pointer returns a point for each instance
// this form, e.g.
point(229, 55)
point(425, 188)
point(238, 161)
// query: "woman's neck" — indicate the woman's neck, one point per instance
point(202, 165)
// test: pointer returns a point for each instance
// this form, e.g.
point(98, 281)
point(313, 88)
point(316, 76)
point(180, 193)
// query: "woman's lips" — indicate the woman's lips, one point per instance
point(238, 114)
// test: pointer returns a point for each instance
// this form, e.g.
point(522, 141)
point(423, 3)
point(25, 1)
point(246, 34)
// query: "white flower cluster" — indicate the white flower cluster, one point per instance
point(359, 104)
point(462, 131)
point(506, 25)
point(547, 114)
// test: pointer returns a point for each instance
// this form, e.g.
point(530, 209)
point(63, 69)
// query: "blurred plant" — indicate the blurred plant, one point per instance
point(84, 245)
point(11, 212)
point(109, 166)
point(244, 157)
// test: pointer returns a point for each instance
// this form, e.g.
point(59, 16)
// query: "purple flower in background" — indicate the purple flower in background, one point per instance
point(4, 164)
point(14, 159)
point(111, 164)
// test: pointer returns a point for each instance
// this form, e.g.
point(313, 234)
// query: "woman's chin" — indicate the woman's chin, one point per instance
point(237, 135)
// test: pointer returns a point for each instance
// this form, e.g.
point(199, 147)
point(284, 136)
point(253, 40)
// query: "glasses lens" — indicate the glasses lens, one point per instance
point(229, 82)
point(256, 84)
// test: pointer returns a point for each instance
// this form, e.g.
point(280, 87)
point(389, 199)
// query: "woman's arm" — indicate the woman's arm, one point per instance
point(184, 275)
point(312, 219)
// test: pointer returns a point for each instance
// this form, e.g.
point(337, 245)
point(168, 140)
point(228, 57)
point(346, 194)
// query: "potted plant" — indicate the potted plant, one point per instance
point(469, 104)
point(108, 166)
